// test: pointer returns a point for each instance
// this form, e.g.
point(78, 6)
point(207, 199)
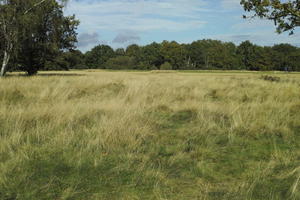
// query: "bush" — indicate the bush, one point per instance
point(166, 66)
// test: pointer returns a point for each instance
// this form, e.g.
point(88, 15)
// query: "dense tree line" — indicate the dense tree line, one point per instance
point(35, 35)
point(202, 54)
point(199, 55)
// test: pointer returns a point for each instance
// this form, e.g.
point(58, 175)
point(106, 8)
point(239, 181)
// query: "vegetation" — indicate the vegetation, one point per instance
point(141, 135)
point(197, 133)
point(98, 56)
point(32, 33)
point(166, 66)
point(202, 54)
point(120, 62)
point(199, 55)
point(285, 14)
point(35, 35)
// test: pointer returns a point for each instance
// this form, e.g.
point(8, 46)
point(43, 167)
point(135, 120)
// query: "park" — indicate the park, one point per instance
point(207, 119)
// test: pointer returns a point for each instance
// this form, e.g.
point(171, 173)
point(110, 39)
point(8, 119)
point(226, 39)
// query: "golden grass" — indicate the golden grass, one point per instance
point(145, 135)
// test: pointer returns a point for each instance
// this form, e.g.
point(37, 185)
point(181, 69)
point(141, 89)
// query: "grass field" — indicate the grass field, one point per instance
point(150, 135)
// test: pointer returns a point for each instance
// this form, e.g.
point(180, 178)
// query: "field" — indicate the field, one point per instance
point(150, 135)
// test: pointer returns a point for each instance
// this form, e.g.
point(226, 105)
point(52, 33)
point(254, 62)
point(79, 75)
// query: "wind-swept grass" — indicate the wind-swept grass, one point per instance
point(141, 135)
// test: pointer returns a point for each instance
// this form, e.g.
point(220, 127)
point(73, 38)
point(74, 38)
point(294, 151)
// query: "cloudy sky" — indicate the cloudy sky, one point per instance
point(119, 23)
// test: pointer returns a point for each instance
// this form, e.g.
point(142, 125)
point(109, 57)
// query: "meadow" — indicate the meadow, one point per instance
point(150, 135)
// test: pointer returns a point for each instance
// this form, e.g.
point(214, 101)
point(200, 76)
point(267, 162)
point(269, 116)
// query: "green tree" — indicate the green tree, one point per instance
point(98, 56)
point(196, 54)
point(212, 54)
point(45, 33)
point(120, 52)
point(285, 57)
point(58, 63)
point(72, 59)
point(254, 57)
point(151, 56)
point(121, 62)
point(75, 58)
point(231, 59)
point(166, 66)
point(220, 55)
point(247, 52)
point(134, 51)
point(266, 56)
point(174, 53)
point(285, 14)
point(295, 59)
point(18, 17)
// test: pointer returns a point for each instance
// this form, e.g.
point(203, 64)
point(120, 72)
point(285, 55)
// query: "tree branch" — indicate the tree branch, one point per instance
point(35, 5)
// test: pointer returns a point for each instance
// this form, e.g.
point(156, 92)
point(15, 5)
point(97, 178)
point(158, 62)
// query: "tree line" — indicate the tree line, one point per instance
point(204, 54)
point(170, 55)
point(36, 35)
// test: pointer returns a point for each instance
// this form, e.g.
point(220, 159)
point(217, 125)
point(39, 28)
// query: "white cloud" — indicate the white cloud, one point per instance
point(231, 4)
point(267, 38)
point(86, 39)
point(144, 21)
point(253, 24)
point(126, 37)
point(138, 15)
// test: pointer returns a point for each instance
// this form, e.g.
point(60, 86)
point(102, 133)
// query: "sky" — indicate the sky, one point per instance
point(119, 23)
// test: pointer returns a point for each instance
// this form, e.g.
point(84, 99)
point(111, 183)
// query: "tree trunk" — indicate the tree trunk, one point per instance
point(4, 63)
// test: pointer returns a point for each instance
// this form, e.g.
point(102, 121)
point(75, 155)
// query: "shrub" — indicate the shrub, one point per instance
point(166, 66)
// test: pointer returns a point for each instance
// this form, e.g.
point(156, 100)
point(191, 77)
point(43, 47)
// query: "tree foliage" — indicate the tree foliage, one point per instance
point(35, 32)
point(98, 56)
point(201, 54)
point(173, 53)
point(120, 62)
point(285, 14)
point(166, 66)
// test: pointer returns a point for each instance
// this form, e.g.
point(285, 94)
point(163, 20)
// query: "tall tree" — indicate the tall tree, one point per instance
point(134, 51)
point(22, 21)
point(196, 54)
point(285, 57)
point(151, 56)
point(284, 13)
point(220, 55)
point(174, 53)
point(98, 56)
point(8, 30)
point(43, 40)
point(120, 52)
point(254, 57)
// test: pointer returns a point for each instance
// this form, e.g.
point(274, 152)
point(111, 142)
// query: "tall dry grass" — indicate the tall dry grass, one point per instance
point(142, 135)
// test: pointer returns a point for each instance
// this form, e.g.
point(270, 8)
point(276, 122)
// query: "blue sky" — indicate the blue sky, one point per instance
point(119, 23)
